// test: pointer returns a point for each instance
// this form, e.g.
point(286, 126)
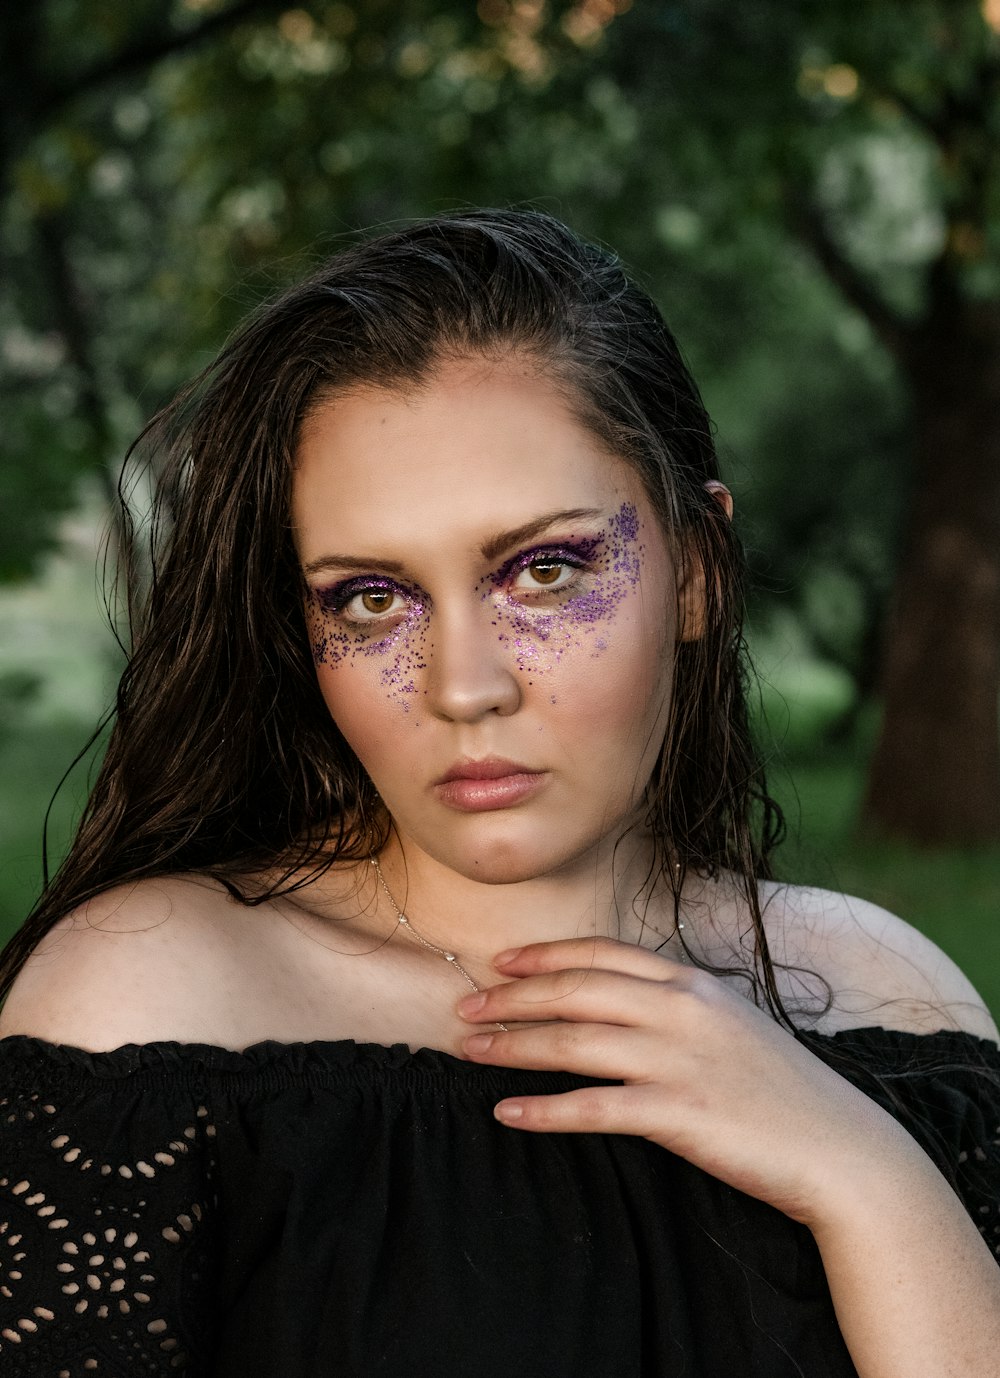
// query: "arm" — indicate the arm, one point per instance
point(717, 1081)
point(915, 1289)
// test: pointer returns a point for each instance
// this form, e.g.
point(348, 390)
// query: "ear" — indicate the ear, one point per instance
point(722, 496)
point(691, 600)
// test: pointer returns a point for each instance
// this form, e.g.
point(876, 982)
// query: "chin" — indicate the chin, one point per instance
point(511, 861)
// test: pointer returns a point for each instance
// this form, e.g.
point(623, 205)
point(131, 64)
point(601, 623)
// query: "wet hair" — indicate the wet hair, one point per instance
point(223, 758)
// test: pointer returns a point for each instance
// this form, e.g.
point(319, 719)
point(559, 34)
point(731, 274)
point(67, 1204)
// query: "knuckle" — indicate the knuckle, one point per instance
point(591, 1102)
point(546, 1113)
point(585, 1108)
point(566, 1039)
point(569, 980)
point(699, 987)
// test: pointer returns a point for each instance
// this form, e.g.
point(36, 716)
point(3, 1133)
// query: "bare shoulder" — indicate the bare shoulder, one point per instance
point(139, 963)
point(880, 970)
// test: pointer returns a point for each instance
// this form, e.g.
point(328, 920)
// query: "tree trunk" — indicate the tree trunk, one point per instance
point(935, 775)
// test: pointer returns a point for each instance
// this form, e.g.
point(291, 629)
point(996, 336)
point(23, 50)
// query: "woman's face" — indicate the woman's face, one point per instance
point(492, 611)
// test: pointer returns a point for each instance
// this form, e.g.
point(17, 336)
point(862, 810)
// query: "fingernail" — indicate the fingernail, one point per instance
point(508, 1110)
point(471, 1003)
point(508, 955)
point(478, 1043)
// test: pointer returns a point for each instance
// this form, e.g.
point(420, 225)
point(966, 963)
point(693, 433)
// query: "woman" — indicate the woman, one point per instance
point(416, 997)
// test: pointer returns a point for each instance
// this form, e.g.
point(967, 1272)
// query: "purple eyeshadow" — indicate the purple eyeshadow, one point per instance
point(540, 634)
point(580, 552)
point(337, 596)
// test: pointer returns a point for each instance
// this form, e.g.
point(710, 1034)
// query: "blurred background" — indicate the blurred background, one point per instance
point(812, 194)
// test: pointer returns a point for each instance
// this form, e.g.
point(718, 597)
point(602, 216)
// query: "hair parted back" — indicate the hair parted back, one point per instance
point(223, 758)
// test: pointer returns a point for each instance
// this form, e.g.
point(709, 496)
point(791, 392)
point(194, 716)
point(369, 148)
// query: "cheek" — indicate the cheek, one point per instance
point(614, 686)
point(540, 641)
point(354, 670)
point(363, 718)
point(373, 724)
point(608, 641)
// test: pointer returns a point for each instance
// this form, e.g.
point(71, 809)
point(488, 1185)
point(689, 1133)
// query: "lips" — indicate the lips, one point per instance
point(493, 783)
point(490, 768)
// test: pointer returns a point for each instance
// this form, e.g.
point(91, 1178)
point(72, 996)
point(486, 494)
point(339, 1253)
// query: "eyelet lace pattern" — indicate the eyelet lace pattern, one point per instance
point(93, 1243)
point(183, 1209)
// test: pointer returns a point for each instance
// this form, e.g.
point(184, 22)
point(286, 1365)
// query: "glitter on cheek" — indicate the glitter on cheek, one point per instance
point(332, 644)
point(627, 519)
point(541, 637)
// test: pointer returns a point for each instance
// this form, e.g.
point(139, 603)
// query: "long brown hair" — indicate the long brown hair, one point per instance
point(223, 758)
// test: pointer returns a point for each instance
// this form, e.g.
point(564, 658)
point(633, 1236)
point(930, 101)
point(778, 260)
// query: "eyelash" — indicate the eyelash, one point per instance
point(552, 555)
point(337, 598)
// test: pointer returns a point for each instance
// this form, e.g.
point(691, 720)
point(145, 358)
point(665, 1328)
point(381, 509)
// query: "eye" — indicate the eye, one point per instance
point(546, 572)
point(362, 602)
point(371, 604)
point(375, 601)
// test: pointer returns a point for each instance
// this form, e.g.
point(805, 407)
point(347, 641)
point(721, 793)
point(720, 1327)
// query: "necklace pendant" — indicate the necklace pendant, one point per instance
point(448, 956)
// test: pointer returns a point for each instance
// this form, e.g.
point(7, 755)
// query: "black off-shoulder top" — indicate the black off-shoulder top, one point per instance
point(342, 1210)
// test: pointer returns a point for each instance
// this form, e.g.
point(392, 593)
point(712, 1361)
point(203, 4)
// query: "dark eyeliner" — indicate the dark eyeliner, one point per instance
point(577, 554)
point(335, 597)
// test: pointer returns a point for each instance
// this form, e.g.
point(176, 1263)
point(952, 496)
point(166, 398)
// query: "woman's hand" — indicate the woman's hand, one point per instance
point(706, 1074)
point(714, 1079)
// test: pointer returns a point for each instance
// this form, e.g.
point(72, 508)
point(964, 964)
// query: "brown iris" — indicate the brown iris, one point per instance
point(377, 600)
point(546, 572)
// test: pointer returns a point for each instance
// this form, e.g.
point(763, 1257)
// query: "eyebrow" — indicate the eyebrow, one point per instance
point(490, 549)
point(518, 535)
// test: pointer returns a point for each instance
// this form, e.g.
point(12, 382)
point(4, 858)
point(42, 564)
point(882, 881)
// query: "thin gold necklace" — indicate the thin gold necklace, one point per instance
point(403, 922)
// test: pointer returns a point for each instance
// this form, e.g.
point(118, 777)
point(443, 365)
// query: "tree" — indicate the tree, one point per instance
point(858, 101)
point(811, 191)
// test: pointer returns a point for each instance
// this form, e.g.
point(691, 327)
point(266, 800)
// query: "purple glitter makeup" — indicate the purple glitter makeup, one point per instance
point(334, 640)
point(576, 552)
point(540, 623)
point(610, 565)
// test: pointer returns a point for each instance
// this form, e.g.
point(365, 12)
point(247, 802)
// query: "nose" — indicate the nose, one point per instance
point(469, 671)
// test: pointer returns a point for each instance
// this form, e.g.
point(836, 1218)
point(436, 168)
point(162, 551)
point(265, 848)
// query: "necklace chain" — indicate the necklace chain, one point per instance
point(403, 922)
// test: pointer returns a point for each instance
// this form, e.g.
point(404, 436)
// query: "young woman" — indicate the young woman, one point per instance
point(416, 997)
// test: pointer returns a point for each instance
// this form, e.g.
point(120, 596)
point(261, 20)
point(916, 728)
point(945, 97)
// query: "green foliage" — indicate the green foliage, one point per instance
point(158, 186)
point(787, 178)
point(33, 759)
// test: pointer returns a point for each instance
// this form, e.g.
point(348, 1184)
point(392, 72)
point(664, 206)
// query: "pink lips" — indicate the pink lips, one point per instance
point(493, 783)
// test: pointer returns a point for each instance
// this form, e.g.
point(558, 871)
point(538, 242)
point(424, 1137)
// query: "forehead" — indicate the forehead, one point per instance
point(478, 446)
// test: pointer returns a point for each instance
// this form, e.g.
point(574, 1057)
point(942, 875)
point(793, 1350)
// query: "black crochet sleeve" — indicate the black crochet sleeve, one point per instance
point(107, 1216)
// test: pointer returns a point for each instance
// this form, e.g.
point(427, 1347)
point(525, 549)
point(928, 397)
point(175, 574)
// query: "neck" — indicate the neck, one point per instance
point(607, 894)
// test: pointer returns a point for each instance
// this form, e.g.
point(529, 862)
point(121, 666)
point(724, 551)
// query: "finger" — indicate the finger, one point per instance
point(587, 1050)
point(590, 1110)
point(590, 953)
point(571, 993)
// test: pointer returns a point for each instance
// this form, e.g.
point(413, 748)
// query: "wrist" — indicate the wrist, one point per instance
point(873, 1168)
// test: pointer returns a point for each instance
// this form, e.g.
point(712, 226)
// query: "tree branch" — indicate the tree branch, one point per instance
point(146, 52)
point(809, 226)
